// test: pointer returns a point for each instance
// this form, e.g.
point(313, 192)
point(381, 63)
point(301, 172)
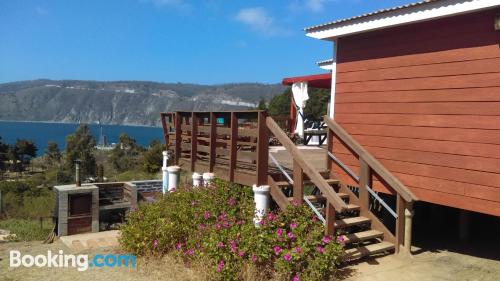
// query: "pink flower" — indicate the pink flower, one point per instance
point(326, 239)
point(254, 258)
point(277, 249)
point(155, 243)
point(189, 252)
point(298, 250)
point(314, 219)
point(194, 203)
point(296, 278)
point(178, 246)
point(241, 254)
point(279, 232)
point(271, 216)
point(231, 201)
point(293, 225)
point(340, 239)
point(220, 266)
point(320, 249)
point(206, 215)
point(201, 226)
point(290, 235)
point(287, 257)
point(220, 245)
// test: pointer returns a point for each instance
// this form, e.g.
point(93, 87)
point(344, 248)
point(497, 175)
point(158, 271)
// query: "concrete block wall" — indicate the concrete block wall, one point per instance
point(148, 185)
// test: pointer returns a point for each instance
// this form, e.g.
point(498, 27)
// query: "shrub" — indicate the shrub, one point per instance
point(213, 227)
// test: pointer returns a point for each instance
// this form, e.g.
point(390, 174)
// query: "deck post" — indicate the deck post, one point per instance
point(178, 137)
point(298, 183)
point(213, 141)
point(194, 140)
point(165, 129)
point(330, 219)
point(365, 179)
point(400, 223)
point(234, 139)
point(408, 225)
point(262, 148)
point(329, 143)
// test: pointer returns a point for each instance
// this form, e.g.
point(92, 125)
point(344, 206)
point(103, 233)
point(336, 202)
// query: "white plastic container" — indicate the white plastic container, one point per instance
point(173, 177)
point(262, 201)
point(208, 179)
point(197, 179)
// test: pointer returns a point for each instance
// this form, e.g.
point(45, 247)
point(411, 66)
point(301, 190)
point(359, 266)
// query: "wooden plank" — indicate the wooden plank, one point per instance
point(298, 183)
point(213, 144)
point(178, 138)
point(330, 225)
point(374, 164)
point(430, 95)
point(165, 130)
point(400, 223)
point(427, 133)
point(234, 138)
point(194, 140)
point(458, 201)
point(431, 158)
point(445, 82)
point(449, 147)
point(365, 179)
point(262, 149)
point(314, 175)
point(277, 194)
point(440, 108)
point(419, 71)
point(442, 56)
point(422, 120)
point(433, 172)
point(371, 249)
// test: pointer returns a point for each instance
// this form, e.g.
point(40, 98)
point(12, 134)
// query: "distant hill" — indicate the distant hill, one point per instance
point(121, 102)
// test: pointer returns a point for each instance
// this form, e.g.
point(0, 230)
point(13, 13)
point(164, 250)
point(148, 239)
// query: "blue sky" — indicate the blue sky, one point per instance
point(206, 42)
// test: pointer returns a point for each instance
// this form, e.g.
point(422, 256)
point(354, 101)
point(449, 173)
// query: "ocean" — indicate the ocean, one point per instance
point(42, 132)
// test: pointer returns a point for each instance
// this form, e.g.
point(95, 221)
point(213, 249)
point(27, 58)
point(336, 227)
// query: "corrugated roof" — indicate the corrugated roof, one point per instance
point(328, 61)
point(320, 26)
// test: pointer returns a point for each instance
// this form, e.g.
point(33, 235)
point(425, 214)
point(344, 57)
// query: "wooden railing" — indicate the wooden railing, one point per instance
point(301, 168)
point(369, 166)
point(236, 142)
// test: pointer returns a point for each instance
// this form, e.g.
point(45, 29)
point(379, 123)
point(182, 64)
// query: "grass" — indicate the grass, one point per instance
point(27, 230)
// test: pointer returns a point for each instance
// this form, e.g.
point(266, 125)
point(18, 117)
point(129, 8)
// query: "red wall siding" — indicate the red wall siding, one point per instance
point(424, 99)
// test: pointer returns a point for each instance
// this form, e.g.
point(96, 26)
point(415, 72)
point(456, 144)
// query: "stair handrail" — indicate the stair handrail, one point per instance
point(332, 197)
point(368, 158)
point(290, 181)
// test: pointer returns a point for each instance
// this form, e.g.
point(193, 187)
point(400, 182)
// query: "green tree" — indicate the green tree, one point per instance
point(4, 148)
point(80, 145)
point(316, 106)
point(280, 104)
point(152, 159)
point(25, 150)
point(52, 153)
point(262, 104)
point(124, 155)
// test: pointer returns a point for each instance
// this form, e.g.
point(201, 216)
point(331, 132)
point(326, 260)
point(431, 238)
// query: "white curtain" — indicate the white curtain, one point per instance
point(299, 91)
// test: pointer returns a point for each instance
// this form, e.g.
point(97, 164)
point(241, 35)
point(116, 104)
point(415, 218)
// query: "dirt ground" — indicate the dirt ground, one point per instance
point(440, 265)
point(165, 269)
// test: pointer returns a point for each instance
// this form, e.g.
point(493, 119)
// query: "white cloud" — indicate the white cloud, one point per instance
point(315, 5)
point(260, 21)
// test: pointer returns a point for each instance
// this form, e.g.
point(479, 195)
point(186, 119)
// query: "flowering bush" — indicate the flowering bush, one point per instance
point(213, 227)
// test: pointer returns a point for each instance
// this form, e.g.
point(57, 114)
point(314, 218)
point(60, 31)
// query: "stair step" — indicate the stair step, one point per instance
point(321, 198)
point(364, 251)
point(352, 207)
point(287, 184)
point(362, 236)
point(347, 222)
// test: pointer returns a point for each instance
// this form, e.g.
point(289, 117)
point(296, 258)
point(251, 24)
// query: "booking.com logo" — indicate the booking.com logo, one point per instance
point(81, 262)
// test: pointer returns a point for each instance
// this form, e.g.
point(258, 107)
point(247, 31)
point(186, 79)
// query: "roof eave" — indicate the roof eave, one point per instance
point(430, 11)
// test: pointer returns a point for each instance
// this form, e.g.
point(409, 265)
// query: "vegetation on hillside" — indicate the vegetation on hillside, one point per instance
point(316, 106)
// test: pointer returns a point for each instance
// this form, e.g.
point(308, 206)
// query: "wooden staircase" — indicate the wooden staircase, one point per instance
point(345, 214)
point(356, 232)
